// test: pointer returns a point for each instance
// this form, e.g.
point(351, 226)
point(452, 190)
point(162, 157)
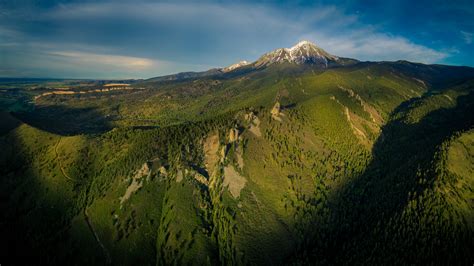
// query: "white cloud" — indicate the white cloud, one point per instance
point(118, 61)
point(467, 36)
point(22, 61)
point(8, 33)
point(367, 44)
point(263, 26)
point(162, 38)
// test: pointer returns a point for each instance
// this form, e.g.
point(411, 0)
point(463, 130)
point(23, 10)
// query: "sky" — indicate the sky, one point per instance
point(141, 39)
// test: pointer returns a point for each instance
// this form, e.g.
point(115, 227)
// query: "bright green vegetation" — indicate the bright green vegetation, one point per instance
point(365, 164)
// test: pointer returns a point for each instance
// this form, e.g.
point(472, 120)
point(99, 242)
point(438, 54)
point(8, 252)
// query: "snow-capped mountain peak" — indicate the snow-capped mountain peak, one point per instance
point(300, 45)
point(235, 66)
point(304, 52)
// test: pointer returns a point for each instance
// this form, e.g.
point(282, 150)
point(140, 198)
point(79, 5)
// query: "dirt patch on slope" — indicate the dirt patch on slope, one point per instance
point(374, 115)
point(355, 122)
point(356, 130)
point(234, 181)
point(137, 183)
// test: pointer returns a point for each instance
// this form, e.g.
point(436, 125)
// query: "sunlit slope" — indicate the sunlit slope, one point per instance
point(359, 164)
point(173, 102)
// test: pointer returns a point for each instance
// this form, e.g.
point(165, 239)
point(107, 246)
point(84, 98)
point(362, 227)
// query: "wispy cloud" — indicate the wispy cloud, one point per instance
point(118, 61)
point(150, 38)
point(467, 36)
point(246, 25)
point(367, 44)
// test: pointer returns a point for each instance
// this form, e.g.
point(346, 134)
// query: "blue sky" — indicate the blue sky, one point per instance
point(142, 39)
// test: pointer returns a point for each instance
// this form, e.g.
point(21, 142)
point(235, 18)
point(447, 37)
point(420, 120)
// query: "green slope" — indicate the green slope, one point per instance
point(366, 164)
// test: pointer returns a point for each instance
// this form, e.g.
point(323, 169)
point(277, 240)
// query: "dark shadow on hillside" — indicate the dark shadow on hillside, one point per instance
point(381, 192)
point(7, 123)
point(438, 77)
point(288, 106)
point(36, 208)
point(145, 127)
point(63, 120)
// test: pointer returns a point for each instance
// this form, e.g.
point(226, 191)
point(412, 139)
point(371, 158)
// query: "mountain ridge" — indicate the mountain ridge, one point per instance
point(288, 163)
point(302, 53)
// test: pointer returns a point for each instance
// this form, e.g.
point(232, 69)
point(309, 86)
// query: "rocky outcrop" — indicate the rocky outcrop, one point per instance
point(137, 182)
point(276, 112)
point(233, 135)
point(233, 181)
point(254, 124)
point(211, 149)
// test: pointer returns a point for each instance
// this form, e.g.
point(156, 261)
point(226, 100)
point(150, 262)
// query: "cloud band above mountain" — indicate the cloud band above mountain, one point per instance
point(188, 34)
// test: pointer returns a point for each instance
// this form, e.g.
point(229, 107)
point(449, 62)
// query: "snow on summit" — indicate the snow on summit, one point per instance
point(304, 52)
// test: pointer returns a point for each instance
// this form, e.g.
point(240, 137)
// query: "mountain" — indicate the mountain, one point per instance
point(303, 52)
point(187, 75)
point(235, 66)
point(201, 74)
point(304, 158)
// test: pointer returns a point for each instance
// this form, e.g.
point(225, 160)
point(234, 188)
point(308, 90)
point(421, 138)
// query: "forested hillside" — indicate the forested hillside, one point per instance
point(357, 163)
